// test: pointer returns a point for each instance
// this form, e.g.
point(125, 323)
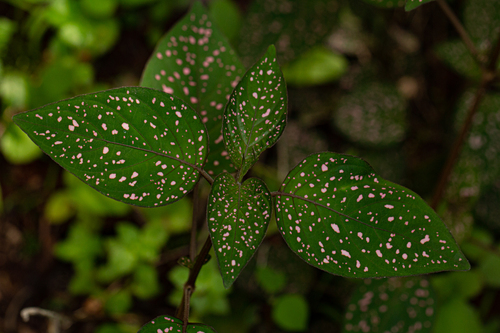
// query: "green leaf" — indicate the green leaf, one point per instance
point(173, 325)
point(118, 302)
point(291, 312)
point(238, 217)
point(136, 145)
point(256, 113)
point(482, 147)
point(16, 146)
point(271, 280)
point(373, 114)
point(392, 305)
point(317, 66)
point(457, 316)
point(481, 21)
point(412, 4)
point(195, 62)
point(338, 215)
point(455, 54)
point(145, 283)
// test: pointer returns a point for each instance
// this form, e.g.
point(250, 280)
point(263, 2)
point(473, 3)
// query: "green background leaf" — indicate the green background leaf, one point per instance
point(135, 145)
point(338, 215)
point(373, 114)
point(256, 113)
point(291, 312)
point(194, 62)
point(391, 305)
point(238, 217)
point(316, 66)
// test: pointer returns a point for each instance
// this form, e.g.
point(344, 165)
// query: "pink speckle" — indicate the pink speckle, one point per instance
point(159, 55)
point(194, 100)
point(166, 89)
point(157, 77)
point(204, 77)
point(186, 70)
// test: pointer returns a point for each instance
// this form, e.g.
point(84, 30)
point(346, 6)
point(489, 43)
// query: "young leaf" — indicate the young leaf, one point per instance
point(173, 325)
point(391, 305)
point(255, 116)
point(196, 63)
point(338, 215)
point(238, 216)
point(136, 145)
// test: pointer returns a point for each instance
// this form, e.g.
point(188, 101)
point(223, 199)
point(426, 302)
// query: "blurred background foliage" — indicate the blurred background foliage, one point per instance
point(390, 86)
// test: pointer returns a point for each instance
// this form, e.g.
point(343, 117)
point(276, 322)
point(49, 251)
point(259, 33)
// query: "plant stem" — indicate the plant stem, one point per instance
point(189, 286)
point(489, 75)
point(194, 222)
point(462, 32)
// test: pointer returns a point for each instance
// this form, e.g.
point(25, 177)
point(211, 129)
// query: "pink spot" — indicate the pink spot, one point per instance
point(204, 77)
point(186, 90)
point(168, 53)
point(162, 72)
point(157, 77)
point(166, 89)
point(159, 55)
point(194, 100)
point(186, 71)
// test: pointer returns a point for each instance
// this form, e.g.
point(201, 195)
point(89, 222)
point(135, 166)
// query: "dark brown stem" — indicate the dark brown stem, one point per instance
point(194, 224)
point(489, 75)
point(193, 275)
point(461, 31)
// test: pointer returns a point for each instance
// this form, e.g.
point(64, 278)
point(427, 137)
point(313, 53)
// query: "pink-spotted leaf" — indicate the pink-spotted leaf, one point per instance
point(238, 217)
point(391, 305)
point(173, 325)
point(136, 145)
point(256, 113)
point(195, 62)
point(338, 215)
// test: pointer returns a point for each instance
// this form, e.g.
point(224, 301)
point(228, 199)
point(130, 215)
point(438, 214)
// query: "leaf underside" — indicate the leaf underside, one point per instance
point(195, 62)
point(391, 305)
point(238, 217)
point(136, 145)
point(173, 325)
point(255, 116)
point(338, 215)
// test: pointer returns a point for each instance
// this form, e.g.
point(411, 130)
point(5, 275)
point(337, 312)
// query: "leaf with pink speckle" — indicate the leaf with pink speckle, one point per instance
point(391, 305)
point(256, 113)
point(136, 145)
point(194, 62)
point(339, 216)
point(238, 217)
point(173, 325)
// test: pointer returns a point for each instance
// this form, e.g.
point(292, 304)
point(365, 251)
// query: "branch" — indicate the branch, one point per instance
point(462, 32)
point(489, 75)
point(189, 286)
point(55, 319)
